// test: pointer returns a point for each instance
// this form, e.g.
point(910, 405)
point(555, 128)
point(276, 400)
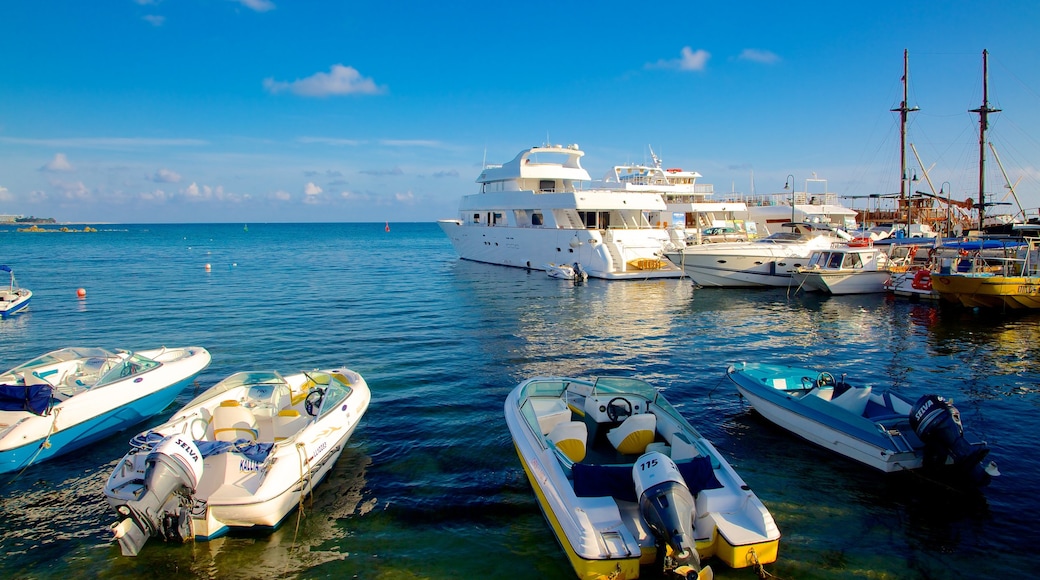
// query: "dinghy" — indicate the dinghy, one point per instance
point(13, 298)
point(72, 397)
point(242, 454)
point(627, 484)
point(566, 272)
point(881, 429)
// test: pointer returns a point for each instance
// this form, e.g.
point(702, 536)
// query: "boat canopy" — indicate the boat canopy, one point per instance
point(33, 398)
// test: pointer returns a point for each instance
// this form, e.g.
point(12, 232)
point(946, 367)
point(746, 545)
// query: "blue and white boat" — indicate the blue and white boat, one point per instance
point(880, 429)
point(12, 298)
point(72, 397)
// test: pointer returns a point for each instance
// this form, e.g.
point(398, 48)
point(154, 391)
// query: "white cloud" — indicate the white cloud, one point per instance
point(281, 195)
point(5, 195)
point(257, 5)
point(74, 191)
point(340, 80)
point(762, 56)
point(154, 19)
point(329, 141)
point(166, 176)
point(688, 60)
point(311, 189)
point(192, 191)
point(407, 197)
point(37, 196)
point(158, 195)
point(59, 163)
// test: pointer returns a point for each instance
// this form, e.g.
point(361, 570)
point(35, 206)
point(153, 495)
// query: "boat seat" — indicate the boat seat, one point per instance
point(634, 434)
point(824, 393)
point(287, 423)
point(571, 438)
point(232, 421)
point(853, 400)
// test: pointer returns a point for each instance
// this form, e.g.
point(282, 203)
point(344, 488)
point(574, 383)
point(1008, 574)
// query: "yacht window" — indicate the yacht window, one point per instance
point(815, 260)
point(853, 261)
point(476, 218)
point(588, 218)
point(536, 219)
point(547, 185)
point(835, 261)
point(496, 217)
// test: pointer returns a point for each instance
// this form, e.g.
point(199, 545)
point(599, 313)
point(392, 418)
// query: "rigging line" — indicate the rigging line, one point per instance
point(43, 445)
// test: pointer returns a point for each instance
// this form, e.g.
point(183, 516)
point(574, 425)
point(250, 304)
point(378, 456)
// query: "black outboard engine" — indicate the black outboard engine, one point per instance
point(938, 424)
point(162, 509)
point(667, 507)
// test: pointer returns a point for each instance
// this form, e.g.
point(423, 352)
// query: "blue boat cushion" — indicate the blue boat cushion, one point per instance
point(33, 398)
point(616, 480)
point(252, 451)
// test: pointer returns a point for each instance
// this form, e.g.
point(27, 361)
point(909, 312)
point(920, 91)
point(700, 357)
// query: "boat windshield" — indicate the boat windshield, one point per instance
point(124, 365)
point(242, 379)
point(610, 385)
point(335, 392)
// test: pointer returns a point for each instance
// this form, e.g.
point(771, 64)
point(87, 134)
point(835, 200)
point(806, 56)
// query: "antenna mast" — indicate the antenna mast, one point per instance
point(983, 112)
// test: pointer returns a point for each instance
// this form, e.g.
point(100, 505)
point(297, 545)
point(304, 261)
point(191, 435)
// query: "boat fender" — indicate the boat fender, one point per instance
point(667, 507)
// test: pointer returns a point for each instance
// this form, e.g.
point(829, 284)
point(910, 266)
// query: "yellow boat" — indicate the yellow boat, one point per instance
point(627, 484)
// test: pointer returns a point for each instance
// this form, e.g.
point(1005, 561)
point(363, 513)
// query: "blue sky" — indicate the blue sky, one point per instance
point(146, 111)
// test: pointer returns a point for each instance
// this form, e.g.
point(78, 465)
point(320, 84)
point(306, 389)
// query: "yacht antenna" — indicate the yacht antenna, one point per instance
point(983, 112)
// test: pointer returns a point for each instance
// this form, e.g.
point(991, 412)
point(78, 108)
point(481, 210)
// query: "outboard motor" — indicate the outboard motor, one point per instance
point(938, 424)
point(172, 472)
point(667, 507)
point(579, 273)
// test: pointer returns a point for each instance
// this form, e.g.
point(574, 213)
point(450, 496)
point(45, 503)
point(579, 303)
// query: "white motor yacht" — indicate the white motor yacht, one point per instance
point(765, 262)
point(535, 210)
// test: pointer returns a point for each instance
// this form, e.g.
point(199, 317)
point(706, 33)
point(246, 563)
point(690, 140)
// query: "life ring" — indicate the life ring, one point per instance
point(922, 281)
point(861, 243)
point(963, 253)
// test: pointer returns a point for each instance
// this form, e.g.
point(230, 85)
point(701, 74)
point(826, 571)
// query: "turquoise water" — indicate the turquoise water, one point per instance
point(430, 486)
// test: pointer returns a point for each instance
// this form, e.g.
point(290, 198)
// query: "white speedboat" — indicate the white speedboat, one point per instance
point(566, 271)
point(72, 397)
point(853, 268)
point(626, 482)
point(877, 428)
point(534, 211)
point(765, 262)
point(12, 298)
point(240, 455)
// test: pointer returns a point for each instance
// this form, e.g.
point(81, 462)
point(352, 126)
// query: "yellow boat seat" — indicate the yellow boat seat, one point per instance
point(632, 436)
point(232, 421)
point(570, 437)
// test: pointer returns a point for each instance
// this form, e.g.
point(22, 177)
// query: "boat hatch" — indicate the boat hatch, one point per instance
point(614, 544)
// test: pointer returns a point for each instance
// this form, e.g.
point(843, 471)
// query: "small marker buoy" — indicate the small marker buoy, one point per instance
point(207, 267)
point(81, 293)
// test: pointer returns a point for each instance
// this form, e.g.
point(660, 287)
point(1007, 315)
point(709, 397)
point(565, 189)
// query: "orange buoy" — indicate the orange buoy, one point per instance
point(207, 267)
point(81, 293)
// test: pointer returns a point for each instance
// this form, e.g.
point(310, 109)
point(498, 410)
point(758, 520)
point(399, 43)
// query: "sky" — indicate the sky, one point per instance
point(172, 111)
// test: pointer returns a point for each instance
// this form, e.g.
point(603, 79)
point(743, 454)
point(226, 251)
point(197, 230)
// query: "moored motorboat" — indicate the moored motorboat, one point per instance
point(69, 398)
point(769, 261)
point(537, 209)
point(877, 428)
point(566, 271)
point(240, 455)
point(13, 298)
point(845, 269)
point(625, 481)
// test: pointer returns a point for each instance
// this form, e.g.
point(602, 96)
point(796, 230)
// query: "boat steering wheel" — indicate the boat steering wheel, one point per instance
point(313, 402)
point(619, 412)
point(825, 379)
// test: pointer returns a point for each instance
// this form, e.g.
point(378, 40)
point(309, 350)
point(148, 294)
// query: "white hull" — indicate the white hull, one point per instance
point(833, 439)
point(602, 255)
point(746, 263)
point(866, 282)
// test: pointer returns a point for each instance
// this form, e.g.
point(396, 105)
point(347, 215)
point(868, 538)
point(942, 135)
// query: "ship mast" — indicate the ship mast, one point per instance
point(983, 112)
point(903, 111)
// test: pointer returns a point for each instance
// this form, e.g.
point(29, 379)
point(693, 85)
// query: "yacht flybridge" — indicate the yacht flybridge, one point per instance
point(534, 211)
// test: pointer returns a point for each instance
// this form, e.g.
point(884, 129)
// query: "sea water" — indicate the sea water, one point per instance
point(430, 485)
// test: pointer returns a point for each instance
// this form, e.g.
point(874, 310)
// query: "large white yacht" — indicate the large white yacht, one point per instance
point(535, 210)
point(765, 262)
point(689, 207)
